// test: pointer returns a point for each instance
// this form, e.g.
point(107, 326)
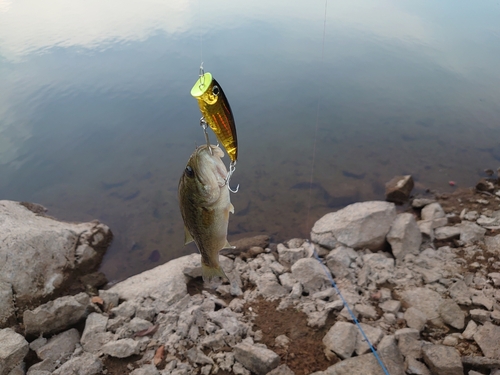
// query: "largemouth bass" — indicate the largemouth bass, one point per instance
point(216, 112)
point(205, 207)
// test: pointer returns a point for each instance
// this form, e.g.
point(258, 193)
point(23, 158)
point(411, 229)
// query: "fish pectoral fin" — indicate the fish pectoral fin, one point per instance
point(228, 246)
point(187, 236)
point(231, 208)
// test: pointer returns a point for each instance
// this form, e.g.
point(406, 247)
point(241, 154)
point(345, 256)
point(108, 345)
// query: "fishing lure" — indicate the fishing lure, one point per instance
point(216, 113)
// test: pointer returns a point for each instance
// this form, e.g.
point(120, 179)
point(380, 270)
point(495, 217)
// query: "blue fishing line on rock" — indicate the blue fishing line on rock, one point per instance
point(379, 360)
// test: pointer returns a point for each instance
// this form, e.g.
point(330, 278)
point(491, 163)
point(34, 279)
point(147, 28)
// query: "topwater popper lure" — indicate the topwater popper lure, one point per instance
point(216, 113)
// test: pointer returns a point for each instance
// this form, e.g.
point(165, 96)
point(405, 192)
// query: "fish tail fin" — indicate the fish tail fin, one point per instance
point(209, 273)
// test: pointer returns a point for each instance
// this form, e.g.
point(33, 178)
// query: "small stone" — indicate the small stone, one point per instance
point(311, 274)
point(374, 334)
point(421, 202)
point(366, 311)
point(288, 257)
point(256, 359)
point(341, 340)
point(13, 349)
point(447, 233)
point(487, 337)
point(281, 341)
point(450, 341)
point(391, 306)
point(415, 318)
point(415, 367)
point(195, 355)
point(86, 364)
point(482, 300)
point(146, 370)
point(404, 236)
point(121, 348)
point(470, 330)
point(460, 293)
point(479, 315)
point(398, 189)
point(451, 314)
point(442, 360)
point(281, 370)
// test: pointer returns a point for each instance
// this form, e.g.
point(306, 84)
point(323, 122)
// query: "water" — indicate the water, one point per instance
point(96, 120)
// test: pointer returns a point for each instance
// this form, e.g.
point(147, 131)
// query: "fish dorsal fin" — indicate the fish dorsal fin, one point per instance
point(187, 236)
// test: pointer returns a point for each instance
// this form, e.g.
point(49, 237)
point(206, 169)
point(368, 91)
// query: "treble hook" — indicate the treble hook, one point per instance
point(232, 168)
point(204, 125)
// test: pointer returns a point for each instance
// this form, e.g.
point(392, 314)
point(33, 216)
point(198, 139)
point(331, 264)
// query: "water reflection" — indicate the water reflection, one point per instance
point(96, 120)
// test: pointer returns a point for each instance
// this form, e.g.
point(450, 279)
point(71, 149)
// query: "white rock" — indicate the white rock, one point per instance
point(38, 255)
point(451, 314)
point(442, 360)
point(94, 335)
point(358, 225)
point(165, 284)
point(60, 347)
point(488, 339)
point(341, 340)
point(493, 244)
point(366, 311)
point(460, 293)
point(121, 348)
point(13, 349)
point(288, 257)
point(374, 335)
point(414, 367)
point(377, 269)
point(471, 232)
point(447, 233)
point(404, 236)
point(311, 274)
point(480, 316)
point(255, 358)
point(425, 300)
point(481, 300)
point(415, 318)
point(269, 287)
point(86, 364)
point(146, 370)
point(391, 306)
point(56, 315)
point(432, 211)
point(450, 341)
point(470, 330)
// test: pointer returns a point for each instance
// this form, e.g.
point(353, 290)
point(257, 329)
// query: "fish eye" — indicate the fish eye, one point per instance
point(216, 90)
point(189, 171)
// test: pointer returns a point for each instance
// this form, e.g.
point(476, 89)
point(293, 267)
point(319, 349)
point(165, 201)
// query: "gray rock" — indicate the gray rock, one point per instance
point(56, 315)
point(426, 229)
point(425, 300)
point(94, 335)
point(481, 300)
point(470, 330)
point(358, 225)
point(377, 269)
point(110, 299)
point(374, 335)
point(341, 340)
point(366, 311)
point(415, 318)
point(86, 364)
point(255, 358)
point(493, 244)
point(480, 316)
point(269, 287)
point(447, 233)
point(452, 315)
point(7, 308)
point(228, 320)
point(450, 340)
point(60, 347)
point(410, 346)
point(474, 361)
point(488, 339)
point(288, 257)
point(432, 211)
point(367, 363)
point(339, 260)
point(442, 360)
point(311, 274)
point(287, 281)
point(126, 309)
point(460, 293)
point(195, 355)
point(165, 284)
point(281, 370)
point(391, 306)
point(398, 189)
point(471, 233)
point(38, 255)
point(146, 370)
point(13, 349)
point(121, 348)
point(404, 236)
point(415, 367)
point(421, 202)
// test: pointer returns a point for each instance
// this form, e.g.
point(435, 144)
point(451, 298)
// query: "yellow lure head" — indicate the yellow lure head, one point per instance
point(216, 112)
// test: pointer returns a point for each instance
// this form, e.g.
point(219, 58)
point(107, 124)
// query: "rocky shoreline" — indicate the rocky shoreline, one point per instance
point(422, 279)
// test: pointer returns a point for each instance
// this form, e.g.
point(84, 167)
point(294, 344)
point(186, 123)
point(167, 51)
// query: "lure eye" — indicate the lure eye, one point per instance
point(189, 172)
point(216, 90)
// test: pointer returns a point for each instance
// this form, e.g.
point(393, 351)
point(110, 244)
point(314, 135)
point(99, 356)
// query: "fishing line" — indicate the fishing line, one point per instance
point(328, 274)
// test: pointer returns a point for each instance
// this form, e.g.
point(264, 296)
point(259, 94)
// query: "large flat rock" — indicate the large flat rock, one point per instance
point(358, 225)
point(40, 256)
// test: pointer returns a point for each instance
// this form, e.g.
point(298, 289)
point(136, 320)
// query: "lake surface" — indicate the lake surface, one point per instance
point(96, 119)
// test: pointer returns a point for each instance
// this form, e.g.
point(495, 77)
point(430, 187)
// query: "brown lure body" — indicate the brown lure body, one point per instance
point(217, 112)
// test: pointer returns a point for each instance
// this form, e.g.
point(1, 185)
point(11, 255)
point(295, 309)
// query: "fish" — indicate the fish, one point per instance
point(205, 206)
point(217, 112)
